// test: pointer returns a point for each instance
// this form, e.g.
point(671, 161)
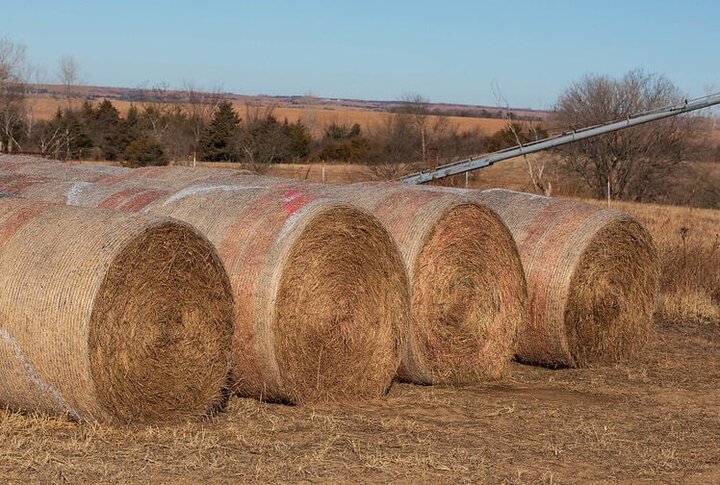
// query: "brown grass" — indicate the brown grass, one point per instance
point(688, 241)
point(90, 318)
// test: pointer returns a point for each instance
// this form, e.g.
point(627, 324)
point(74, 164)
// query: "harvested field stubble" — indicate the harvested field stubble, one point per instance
point(320, 290)
point(592, 277)
point(653, 420)
point(107, 317)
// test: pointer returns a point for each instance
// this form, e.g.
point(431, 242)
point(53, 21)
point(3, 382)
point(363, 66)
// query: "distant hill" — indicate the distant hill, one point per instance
point(140, 95)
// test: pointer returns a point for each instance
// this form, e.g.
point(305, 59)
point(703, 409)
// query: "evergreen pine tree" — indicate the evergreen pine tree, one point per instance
point(217, 141)
point(300, 139)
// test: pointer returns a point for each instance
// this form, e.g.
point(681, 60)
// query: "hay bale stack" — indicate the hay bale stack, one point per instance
point(107, 317)
point(467, 280)
point(591, 278)
point(467, 299)
point(320, 289)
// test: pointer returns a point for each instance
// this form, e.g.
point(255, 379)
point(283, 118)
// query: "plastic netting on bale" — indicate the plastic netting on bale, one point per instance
point(592, 276)
point(321, 293)
point(467, 301)
point(110, 317)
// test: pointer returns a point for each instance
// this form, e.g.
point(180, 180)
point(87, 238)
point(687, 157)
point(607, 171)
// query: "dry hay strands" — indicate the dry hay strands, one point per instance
point(110, 317)
point(468, 288)
point(321, 293)
point(592, 277)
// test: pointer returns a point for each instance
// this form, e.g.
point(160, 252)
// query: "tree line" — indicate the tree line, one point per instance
point(158, 133)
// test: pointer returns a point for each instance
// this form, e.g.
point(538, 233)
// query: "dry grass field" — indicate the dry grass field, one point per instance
point(653, 420)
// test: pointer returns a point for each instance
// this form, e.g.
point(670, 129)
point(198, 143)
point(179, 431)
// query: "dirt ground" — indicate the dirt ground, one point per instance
point(655, 420)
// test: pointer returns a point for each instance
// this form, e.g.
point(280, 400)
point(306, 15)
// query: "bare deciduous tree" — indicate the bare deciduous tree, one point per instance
point(416, 108)
point(13, 90)
point(535, 166)
point(69, 76)
point(200, 105)
point(627, 164)
point(309, 103)
point(157, 107)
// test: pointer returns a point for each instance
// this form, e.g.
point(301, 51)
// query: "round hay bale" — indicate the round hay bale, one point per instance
point(110, 317)
point(592, 276)
point(321, 293)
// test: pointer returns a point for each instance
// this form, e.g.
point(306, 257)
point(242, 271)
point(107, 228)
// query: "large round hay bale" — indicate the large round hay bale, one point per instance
point(591, 278)
point(321, 293)
point(110, 317)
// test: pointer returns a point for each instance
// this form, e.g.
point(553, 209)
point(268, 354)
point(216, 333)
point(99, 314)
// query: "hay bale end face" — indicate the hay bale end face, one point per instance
point(467, 299)
point(321, 293)
point(592, 276)
point(110, 317)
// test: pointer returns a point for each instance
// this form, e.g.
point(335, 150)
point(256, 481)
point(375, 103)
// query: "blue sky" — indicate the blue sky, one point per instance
point(449, 51)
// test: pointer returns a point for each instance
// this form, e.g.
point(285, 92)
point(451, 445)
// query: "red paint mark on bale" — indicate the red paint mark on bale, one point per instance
point(243, 251)
point(11, 167)
point(142, 200)
point(119, 198)
point(12, 224)
point(295, 199)
point(136, 174)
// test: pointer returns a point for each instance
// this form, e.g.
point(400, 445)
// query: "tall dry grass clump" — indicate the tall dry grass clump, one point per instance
point(592, 276)
point(107, 317)
point(690, 278)
point(321, 293)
